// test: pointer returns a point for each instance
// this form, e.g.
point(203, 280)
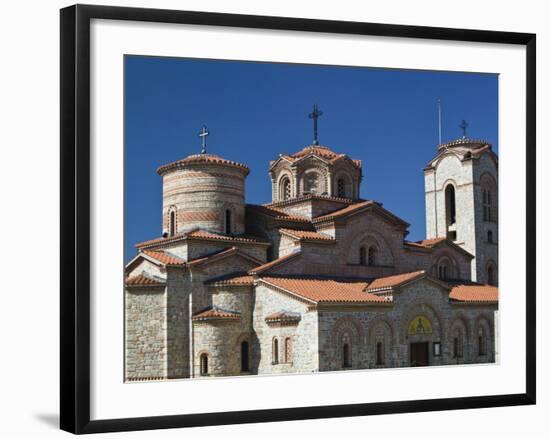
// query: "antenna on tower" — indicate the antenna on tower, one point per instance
point(439, 119)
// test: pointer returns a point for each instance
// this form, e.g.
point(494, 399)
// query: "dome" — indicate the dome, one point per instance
point(465, 142)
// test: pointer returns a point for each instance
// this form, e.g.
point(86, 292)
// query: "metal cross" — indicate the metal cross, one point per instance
point(463, 126)
point(203, 135)
point(315, 115)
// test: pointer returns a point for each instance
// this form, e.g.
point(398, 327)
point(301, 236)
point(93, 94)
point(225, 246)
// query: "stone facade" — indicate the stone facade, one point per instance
point(469, 169)
point(317, 280)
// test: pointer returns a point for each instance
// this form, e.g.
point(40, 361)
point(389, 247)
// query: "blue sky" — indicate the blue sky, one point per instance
point(254, 111)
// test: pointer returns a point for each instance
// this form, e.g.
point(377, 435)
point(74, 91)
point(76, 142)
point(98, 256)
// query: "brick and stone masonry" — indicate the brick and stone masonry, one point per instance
point(319, 279)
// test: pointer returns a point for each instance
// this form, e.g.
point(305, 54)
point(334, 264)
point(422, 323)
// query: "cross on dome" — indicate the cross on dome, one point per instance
point(204, 133)
point(315, 116)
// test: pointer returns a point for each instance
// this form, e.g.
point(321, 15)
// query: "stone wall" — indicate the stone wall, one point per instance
point(200, 196)
point(221, 340)
point(303, 334)
point(390, 325)
point(145, 338)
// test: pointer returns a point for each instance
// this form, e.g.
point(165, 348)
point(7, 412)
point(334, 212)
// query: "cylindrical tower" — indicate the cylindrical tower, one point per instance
point(203, 191)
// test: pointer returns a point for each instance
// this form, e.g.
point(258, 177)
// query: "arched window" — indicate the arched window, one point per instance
point(450, 204)
point(228, 225)
point(285, 189)
point(204, 364)
point(490, 275)
point(379, 353)
point(341, 187)
point(275, 353)
point(363, 256)
point(288, 350)
point(443, 270)
point(481, 342)
point(371, 256)
point(489, 236)
point(458, 344)
point(486, 204)
point(244, 357)
point(346, 352)
point(172, 223)
point(312, 183)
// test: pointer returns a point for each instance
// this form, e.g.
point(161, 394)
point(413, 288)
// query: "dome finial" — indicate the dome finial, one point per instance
point(203, 135)
point(463, 125)
point(315, 116)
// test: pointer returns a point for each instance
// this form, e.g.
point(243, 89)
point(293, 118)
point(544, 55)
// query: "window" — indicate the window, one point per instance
point(341, 188)
point(228, 224)
point(379, 353)
point(490, 275)
point(288, 350)
point(487, 205)
point(244, 357)
point(204, 364)
point(481, 343)
point(450, 204)
point(346, 360)
point(437, 349)
point(457, 345)
point(371, 257)
point(275, 353)
point(285, 189)
point(363, 256)
point(172, 223)
point(489, 236)
point(443, 271)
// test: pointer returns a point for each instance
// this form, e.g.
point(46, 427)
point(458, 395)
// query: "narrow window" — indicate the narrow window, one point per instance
point(490, 275)
point(443, 271)
point(379, 353)
point(288, 350)
point(204, 364)
point(341, 187)
point(481, 343)
point(487, 205)
point(244, 357)
point(455, 347)
point(371, 257)
point(285, 189)
point(346, 355)
point(275, 351)
point(489, 236)
point(172, 221)
point(363, 256)
point(450, 204)
point(228, 225)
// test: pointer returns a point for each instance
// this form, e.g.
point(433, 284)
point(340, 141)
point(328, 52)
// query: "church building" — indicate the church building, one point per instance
point(319, 279)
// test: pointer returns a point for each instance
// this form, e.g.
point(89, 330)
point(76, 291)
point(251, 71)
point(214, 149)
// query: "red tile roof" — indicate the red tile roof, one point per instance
point(216, 314)
point(394, 281)
point(345, 211)
point(143, 281)
point(220, 254)
point(306, 235)
point(306, 197)
point(200, 235)
point(434, 242)
point(278, 214)
point(325, 290)
point(323, 152)
point(274, 263)
point(164, 258)
point(283, 317)
point(474, 293)
point(202, 159)
point(235, 279)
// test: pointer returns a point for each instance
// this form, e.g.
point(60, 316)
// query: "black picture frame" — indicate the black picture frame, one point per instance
point(75, 217)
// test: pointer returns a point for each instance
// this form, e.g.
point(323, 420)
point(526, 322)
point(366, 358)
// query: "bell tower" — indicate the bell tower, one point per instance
point(461, 188)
